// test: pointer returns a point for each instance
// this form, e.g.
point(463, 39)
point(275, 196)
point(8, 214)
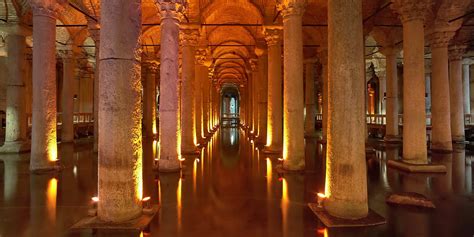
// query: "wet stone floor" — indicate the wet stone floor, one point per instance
point(232, 189)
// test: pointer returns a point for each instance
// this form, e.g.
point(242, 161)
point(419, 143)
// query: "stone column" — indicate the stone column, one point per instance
point(254, 95)
point(345, 166)
point(428, 87)
point(16, 121)
point(274, 100)
point(201, 76)
point(149, 100)
point(69, 66)
point(310, 99)
point(323, 55)
point(170, 131)
point(94, 30)
point(391, 113)
point(466, 86)
point(293, 104)
point(412, 14)
point(262, 95)
point(44, 151)
point(456, 93)
point(440, 108)
point(188, 37)
point(205, 103)
point(120, 113)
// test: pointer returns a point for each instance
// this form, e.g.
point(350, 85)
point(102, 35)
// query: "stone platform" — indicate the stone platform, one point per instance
point(372, 219)
point(416, 168)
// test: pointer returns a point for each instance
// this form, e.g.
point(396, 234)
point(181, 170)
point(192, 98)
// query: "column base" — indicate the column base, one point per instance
point(15, 147)
point(45, 170)
point(272, 150)
point(290, 167)
point(372, 219)
point(392, 139)
point(459, 140)
point(169, 166)
point(416, 168)
point(311, 134)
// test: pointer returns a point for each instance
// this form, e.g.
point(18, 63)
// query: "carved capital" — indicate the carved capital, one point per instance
point(390, 50)
point(440, 39)
point(172, 9)
point(189, 37)
point(291, 7)
point(456, 52)
point(66, 54)
point(273, 35)
point(151, 66)
point(48, 8)
point(410, 10)
point(201, 57)
point(253, 64)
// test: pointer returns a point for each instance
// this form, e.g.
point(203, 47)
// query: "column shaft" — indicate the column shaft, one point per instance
point(440, 108)
point(466, 88)
point(120, 112)
point(345, 166)
point(67, 127)
point(456, 97)
point(293, 104)
point(262, 98)
point(16, 124)
point(43, 136)
point(149, 102)
point(310, 101)
point(391, 128)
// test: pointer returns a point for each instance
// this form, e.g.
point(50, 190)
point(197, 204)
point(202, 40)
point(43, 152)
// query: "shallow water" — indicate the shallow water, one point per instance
point(232, 189)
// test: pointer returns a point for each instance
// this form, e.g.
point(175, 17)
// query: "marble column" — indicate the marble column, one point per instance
point(274, 100)
point(428, 87)
point(170, 130)
point(120, 114)
point(345, 165)
point(323, 54)
point(466, 86)
point(254, 81)
point(293, 104)
point(391, 112)
point(44, 150)
point(16, 121)
point(67, 96)
point(310, 99)
point(201, 76)
point(414, 115)
point(205, 103)
point(262, 95)
point(94, 30)
point(188, 37)
point(440, 108)
point(149, 100)
point(456, 93)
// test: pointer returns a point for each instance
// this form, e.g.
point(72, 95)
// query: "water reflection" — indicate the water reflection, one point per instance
point(233, 189)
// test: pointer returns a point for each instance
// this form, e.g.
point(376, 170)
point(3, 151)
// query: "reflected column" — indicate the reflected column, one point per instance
point(293, 104)
point(43, 136)
point(120, 113)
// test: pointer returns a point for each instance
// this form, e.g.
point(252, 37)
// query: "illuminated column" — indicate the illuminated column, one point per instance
point(262, 95)
point(310, 100)
point(149, 99)
point(456, 93)
point(323, 54)
point(428, 86)
point(43, 134)
point(188, 37)
point(16, 124)
point(201, 76)
point(69, 66)
point(274, 106)
point(254, 81)
point(120, 113)
point(440, 105)
point(293, 104)
point(170, 137)
point(466, 90)
point(205, 102)
point(412, 14)
point(345, 165)
point(391, 112)
point(94, 30)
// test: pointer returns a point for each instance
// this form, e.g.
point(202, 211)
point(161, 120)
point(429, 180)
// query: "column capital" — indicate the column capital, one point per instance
point(440, 39)
point(202, 57)
point(152, 66)
point(291, 7)
point(467, 61)
point(189, 36)
point(48, 8)
point(66, 54)
point(390, 50)
point(410, 10)
point(94, 30)
point(172, 9)
point(253, 64)
point(17, 29)
point(273, 35)
point(456, 52)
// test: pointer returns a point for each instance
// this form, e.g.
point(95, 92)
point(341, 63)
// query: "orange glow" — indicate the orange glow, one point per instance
point(323, 231)
point(195, 164)
point(178, 201)
point(51, 193)
point(95, 199)
point(146, 199)
point(269, 178)
point(181, 159)
point(321, 195)
point(53, 152)
point(155, 149)
point(284, 206)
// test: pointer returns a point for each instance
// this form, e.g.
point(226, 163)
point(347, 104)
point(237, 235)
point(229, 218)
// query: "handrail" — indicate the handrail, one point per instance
point(381, 119)
point(78, 118)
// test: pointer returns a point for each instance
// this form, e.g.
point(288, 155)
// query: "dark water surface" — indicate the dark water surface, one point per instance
point(232, 189)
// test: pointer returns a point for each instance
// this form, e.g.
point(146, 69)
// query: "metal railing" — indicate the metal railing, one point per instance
point(381, 119)
point(78, 118)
